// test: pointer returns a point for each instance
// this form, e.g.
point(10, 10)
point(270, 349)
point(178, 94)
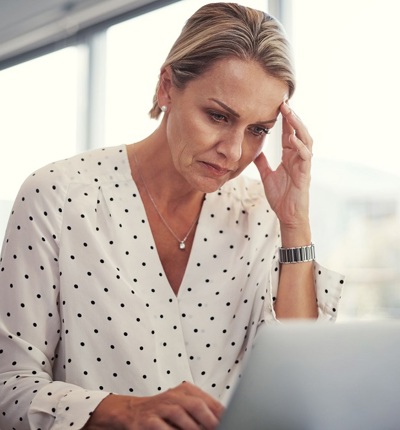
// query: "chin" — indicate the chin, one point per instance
point(207, 185)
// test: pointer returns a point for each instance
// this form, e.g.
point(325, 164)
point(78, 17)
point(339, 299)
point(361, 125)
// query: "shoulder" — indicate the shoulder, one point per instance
point(48, 187)
point(91, 167)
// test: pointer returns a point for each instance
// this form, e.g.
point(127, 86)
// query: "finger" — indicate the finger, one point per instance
point(191, 413)
point(287, 131)
point(303, 151)
point(293, 122)
point(179, 417)
point(204, 414)
point(262, 165)
point(154, 422)
point(212, 404)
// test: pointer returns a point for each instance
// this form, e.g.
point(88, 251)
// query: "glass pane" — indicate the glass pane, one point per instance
point(348, 90)
point(38, 107)
point(136, 50)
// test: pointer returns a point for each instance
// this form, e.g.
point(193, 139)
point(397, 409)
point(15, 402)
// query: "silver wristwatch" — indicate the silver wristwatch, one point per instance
point(300, 254)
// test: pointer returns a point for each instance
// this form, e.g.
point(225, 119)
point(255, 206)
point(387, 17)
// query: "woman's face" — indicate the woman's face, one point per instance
point(217, 124)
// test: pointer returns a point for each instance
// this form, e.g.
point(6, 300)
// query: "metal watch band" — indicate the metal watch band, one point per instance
point(301, 254)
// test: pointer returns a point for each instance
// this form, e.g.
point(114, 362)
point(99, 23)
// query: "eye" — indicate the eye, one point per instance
point(259, 131)
point(218, 117)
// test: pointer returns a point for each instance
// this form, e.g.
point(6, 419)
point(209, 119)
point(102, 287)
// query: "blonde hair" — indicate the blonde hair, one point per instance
point(221, 30)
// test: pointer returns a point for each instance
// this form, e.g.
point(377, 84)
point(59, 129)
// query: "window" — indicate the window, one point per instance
point(38, 107)
point(348, 92)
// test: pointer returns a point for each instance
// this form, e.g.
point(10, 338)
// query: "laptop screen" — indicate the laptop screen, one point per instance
point(320, 376)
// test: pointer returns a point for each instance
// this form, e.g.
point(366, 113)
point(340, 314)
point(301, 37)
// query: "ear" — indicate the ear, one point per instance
point(164, 88)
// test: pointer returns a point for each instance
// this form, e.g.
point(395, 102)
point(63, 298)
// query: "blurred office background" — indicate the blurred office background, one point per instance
point(80, 74)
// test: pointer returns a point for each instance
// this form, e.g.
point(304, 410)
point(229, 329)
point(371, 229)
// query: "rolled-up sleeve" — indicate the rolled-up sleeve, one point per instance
point(328, 287)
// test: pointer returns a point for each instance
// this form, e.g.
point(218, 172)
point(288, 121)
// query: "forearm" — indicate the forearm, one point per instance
point(296, 296)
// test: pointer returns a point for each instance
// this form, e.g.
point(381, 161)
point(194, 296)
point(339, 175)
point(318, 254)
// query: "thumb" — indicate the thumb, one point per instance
point(262, 165)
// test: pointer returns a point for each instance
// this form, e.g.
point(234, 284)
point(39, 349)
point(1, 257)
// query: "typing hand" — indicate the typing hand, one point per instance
point(184, 407)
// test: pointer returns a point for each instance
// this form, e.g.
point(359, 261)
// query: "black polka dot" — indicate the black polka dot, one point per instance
point(86, 292)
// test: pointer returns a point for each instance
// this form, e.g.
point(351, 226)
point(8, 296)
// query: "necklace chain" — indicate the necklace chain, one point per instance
point(182, 244)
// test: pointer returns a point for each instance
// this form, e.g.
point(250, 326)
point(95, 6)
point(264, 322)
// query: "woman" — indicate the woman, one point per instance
point(145, 270)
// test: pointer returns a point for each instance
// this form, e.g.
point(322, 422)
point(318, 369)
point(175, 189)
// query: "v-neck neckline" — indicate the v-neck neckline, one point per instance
point(197, 232)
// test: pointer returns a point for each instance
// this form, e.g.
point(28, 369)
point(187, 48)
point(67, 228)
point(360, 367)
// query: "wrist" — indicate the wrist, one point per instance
point(297, 236)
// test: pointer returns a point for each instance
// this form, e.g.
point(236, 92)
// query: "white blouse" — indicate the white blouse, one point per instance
point(86, 308)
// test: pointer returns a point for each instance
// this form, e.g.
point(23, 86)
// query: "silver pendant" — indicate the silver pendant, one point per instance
point(182, 245)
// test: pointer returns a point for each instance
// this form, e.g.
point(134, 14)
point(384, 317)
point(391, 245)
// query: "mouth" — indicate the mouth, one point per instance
point(215, 169)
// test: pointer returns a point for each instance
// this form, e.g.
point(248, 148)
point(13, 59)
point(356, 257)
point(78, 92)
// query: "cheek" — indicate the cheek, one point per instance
point(249, 154)
point(177, 135)
point(184, 129)
point(185, 139)
point(253, 149)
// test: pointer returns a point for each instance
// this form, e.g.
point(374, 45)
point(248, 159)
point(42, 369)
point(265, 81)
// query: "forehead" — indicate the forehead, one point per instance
point(241, 84)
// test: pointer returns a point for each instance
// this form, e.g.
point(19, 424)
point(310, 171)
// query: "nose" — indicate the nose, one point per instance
point(231, 145)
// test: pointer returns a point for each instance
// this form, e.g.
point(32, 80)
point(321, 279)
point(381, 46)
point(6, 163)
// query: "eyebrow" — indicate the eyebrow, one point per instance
point(234, 113)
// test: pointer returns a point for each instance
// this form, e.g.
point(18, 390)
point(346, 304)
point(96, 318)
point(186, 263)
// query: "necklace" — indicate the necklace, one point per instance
point(182, 244)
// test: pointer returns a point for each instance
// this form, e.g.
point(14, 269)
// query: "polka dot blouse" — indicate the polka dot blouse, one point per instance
point(86, 308)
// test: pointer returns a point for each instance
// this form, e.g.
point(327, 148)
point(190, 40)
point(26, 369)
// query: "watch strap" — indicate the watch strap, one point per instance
point(301, 254)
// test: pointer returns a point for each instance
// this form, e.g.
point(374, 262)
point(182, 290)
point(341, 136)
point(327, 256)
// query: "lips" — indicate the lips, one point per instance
point(216, 169)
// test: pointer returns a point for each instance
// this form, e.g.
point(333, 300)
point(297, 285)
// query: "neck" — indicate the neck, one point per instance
point(190, 210)
point(167, 187)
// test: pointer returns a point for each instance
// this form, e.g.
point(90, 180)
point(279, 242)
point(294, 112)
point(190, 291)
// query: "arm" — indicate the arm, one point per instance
point(287, 190)
point(34, 383)
point(296, 296)
point(30, 321)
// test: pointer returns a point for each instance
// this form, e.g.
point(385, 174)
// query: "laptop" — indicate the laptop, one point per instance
point(320, 376)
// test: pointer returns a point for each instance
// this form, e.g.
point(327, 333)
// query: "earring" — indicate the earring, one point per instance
point(163, 108)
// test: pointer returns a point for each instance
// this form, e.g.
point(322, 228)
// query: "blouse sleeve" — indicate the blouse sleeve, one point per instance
point(328, 287)
point(30, 317)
